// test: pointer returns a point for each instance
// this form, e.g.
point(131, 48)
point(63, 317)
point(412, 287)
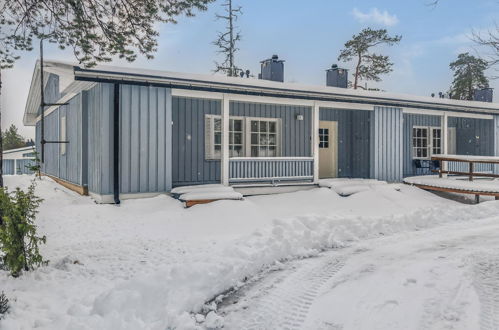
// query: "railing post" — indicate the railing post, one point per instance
point(315, 140)
point(445, 146)
point(471, 171)
point(225, 140)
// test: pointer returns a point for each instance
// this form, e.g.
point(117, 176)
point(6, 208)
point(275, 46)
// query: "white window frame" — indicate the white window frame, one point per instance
point(246, 136)
point(210, 138)
point(277, 122)
point(63, 134)
point(429, 143)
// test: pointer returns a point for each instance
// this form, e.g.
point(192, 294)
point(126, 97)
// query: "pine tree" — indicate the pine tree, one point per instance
point(95, 30)
point(227, 40)
point(369, 66)
point(12, 139)
point(468, 76)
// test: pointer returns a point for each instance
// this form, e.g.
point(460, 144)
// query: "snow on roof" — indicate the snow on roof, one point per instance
point(72, 75)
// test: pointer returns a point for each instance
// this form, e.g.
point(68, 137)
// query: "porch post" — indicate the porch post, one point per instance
point(225, 140)
point(315, 140)
point(445, 133)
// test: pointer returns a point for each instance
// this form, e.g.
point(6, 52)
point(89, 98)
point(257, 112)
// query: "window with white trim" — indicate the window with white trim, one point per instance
point(264, 137)
point(248, 137)
point(436, 141)
point(62, 136)
point(426, 141)
point(213, 137)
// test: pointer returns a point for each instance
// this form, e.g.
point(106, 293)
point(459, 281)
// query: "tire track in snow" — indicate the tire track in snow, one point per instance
point(486, 282)
point(283, 301)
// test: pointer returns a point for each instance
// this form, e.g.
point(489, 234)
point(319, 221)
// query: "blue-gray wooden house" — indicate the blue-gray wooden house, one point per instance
point(136, 133)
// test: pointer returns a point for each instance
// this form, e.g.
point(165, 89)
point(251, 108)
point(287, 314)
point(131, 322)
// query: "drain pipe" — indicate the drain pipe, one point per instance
point(116, 145)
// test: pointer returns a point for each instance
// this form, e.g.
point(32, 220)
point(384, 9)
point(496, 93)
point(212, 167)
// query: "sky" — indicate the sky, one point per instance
point(309, 36)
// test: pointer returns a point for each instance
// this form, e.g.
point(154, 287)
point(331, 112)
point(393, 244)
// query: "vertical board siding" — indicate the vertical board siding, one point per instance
point(411, 120)
point(67, 166)
point(496, 141)
point(387, 144)
point(353, 140)
point(8, 167)
point(100, 139)
point(188, 156)
point(145, 148)
point(295, 134)
point(474, 136)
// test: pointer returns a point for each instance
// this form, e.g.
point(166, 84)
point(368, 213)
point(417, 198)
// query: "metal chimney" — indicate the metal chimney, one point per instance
point(272, 69)
point(337, 77)
point(483, 95)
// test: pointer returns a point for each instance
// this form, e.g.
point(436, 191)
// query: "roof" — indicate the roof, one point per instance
point(75, 78)
point(23, 149)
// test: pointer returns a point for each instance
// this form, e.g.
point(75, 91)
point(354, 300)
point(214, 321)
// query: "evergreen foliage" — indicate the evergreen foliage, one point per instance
point(468, 76)
point(12, 139)
point(19, 243)
point(95, 30)
point(369, 66)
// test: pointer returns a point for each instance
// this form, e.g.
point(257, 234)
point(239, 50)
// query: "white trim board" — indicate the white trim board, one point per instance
point(271, 100)
point(441, 113)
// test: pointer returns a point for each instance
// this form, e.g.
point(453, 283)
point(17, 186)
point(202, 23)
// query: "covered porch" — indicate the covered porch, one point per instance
point(451, 133)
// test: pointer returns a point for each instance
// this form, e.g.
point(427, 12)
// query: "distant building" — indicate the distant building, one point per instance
point(16, 161)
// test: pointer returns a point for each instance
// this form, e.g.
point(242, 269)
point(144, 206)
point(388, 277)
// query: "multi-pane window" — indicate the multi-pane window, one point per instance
point(248, 137)
point(323, 137)
point(426, 141)
point(236, 141)
point(436, 141)
point(263, 137)
point(420, 142)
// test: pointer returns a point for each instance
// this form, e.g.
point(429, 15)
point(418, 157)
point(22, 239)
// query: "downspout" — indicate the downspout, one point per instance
point(116, 145)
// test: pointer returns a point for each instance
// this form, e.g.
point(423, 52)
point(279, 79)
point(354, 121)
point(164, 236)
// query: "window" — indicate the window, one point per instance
point(436, 141)
point(213, 137)
point(248, 137)
point(426, 141)
point(324, 138)
point(263, 137)
point(63, 135)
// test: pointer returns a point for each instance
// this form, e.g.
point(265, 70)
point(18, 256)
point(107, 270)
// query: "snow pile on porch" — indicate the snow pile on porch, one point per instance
point(458, 183)
point(151, 264)
point(206, 192)
point(347, 187)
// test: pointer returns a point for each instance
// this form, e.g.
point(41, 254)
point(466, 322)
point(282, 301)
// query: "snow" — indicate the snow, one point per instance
point(151, 264)
point(198, 188)
point(347, 187)
point(478, 185)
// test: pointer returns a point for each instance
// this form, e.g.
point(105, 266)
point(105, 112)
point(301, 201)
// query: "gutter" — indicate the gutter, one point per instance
point(116, 145)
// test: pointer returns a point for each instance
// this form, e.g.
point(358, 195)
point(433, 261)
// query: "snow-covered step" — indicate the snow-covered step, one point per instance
point(202, 194)
point(347, 187)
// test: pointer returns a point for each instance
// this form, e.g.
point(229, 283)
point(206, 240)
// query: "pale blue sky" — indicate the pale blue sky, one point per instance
point(309, 36)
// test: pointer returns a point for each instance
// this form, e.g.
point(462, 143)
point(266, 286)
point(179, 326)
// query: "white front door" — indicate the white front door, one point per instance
point(328, 149)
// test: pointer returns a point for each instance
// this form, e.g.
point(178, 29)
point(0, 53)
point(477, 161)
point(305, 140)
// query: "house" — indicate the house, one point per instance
point(135, 133)
point(18, 161)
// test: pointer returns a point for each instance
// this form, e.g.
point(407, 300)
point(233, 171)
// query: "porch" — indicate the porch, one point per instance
point(451, 133)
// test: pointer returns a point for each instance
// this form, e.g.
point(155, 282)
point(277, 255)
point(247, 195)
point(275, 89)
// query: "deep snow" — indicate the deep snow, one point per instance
point(152, 264)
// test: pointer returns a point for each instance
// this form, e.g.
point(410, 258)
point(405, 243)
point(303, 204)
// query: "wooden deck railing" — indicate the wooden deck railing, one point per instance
point(471, 161)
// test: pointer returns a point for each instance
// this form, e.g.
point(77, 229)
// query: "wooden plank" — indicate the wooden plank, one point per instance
point(455, 190)
point(487, 175)
point(71, 186)
point(463, 160)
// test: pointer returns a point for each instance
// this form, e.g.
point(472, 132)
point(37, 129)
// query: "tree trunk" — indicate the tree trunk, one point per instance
point(231, 50)
point(357, 68)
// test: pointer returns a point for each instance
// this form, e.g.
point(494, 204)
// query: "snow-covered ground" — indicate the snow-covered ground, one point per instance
point(391, 257)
